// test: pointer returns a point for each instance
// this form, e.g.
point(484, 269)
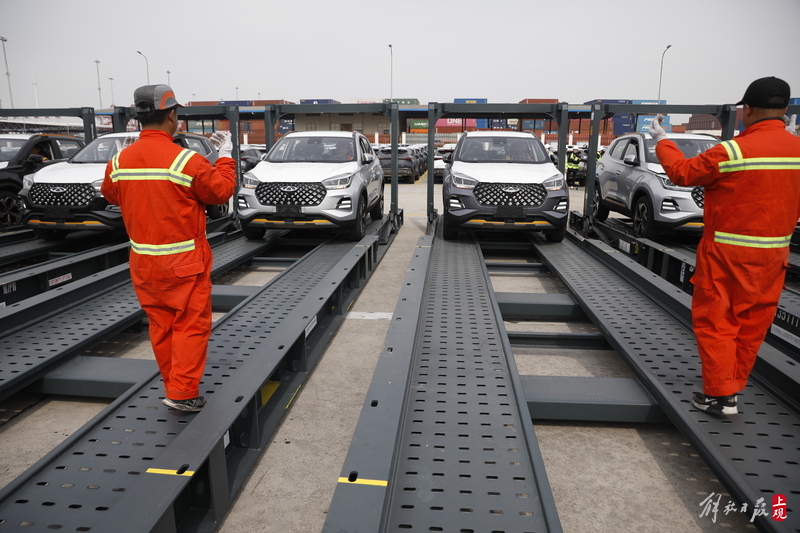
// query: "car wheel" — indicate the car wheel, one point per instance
point(253, 233)
point(377, 209)
point(599, 211)
point(50, 234)
point(10, 214)
point(215, 212)
point(643, 224)
point(449, 232)
point(555, 236)
point(358, 231)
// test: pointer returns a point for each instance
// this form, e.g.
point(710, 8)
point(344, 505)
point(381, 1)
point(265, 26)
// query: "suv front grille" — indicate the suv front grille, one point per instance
point(699, 196)
point(290, 193)
point(515, 194)
point(66, 194)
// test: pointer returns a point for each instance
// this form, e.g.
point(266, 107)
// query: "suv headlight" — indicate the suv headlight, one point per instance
point(250, 181)
point(338, 182)
point(556, 183)
point(667, 184)
point(97, 184)
point(27, 181)
point(463, 182)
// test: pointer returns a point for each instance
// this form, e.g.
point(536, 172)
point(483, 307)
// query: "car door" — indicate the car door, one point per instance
point(627, 175)
point(609, 171)
point(371, 171)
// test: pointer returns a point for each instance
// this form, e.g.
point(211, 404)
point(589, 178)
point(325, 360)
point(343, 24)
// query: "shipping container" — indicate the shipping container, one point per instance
point(402, 101)
point(271, 102)
point(319, 101)
point(643, 123)
point(606, 101)
point(648, 102)
point(539, 101)
point(203, 103)
point(533, 125)
point(240, 103)
point(622, 128)
point(471, 101)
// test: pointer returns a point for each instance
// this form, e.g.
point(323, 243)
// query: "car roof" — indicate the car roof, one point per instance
point(343, 134)
point(701, 136)
point(16, 135)
point(520, 134)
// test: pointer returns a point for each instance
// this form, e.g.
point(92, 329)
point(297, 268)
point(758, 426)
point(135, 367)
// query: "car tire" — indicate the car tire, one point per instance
point(599, 211)
point(253, 233)
point(359, 229)
point(216, 212)
point(10, 213)
point(50, 234)
point(449, 232)
point(377, 210)
point(555, 236)
point(643, 224)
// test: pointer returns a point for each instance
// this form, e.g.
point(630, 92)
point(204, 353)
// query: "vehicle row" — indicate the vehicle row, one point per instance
point(412, 161)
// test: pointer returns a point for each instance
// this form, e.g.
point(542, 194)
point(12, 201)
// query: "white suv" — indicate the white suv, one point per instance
point(313, 179)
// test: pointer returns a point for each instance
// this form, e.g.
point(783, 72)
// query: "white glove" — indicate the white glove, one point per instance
point(791, 124)
point(222, 140)
point(655, 130)
point(129, 140)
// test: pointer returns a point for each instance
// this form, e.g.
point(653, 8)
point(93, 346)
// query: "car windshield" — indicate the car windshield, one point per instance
point(689, 147)
point(297, 149)
point(99, 150)
point(10, 147)
point(501, 150)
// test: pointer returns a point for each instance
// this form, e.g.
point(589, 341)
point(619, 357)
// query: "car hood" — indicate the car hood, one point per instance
point(655, 167)
point(506, 172)
point(70, 173)
point(301, 172)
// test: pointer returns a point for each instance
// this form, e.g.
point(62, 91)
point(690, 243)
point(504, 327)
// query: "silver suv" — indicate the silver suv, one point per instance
point(631, 181)
point(313, 179)
point(503, 180)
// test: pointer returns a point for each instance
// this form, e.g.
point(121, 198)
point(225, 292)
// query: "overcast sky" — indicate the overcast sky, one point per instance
point(502, 50)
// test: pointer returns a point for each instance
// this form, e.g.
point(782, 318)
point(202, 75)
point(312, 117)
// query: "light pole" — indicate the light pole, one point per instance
point(7, 73)
point(169, 82)
point(112, 91)
point(391, 73)
point(146, 64)
point(99, 93)
point(237, 93)
point(661, 72)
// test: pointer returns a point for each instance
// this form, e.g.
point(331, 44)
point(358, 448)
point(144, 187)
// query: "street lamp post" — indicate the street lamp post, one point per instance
point(237, 93)
point(99, 93)
point(146, 64)
point(112, 91)
point(3, 39)
point(661, 72)
point(168, 81)
point(391, 73)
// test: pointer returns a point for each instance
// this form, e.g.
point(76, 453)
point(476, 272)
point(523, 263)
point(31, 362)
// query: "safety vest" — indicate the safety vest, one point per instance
point(573, 161)
point(173, 174)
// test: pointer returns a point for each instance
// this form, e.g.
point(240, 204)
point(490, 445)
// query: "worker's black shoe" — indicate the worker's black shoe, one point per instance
point(194, 404)
point(718, 405)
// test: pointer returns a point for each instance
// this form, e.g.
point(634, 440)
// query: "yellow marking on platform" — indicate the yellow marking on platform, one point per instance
point(293, 395)
point(375, 482)
point(87, 223)
point(268, 390)
point(188, 473)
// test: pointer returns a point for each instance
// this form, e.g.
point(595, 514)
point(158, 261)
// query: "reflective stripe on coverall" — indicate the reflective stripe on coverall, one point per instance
point(573, 161)
point(752, 204)
point(162, 190)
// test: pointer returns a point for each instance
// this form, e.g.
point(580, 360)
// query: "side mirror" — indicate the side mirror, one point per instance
point(368, 158)
point(35, 158)
point(631, 160)
point(448, 158)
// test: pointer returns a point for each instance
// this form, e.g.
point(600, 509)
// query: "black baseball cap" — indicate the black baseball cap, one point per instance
point(154, 97)
point(759, 93)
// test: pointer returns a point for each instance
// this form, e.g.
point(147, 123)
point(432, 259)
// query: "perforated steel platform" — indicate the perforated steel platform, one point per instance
point(755, 454)
point(142, 467)
point(467, 458)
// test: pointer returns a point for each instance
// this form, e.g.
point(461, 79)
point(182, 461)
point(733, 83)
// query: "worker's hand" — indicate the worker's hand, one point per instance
point(222, 140)
point(791, 124)
point(655, 130)
point(129, 140)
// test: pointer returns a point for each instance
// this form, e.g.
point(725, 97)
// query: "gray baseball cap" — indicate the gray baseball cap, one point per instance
point(154, 97)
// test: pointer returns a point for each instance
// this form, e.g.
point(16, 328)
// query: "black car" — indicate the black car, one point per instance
point(22, 154)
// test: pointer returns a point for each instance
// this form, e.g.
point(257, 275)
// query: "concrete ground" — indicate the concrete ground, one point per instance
point(605, 477)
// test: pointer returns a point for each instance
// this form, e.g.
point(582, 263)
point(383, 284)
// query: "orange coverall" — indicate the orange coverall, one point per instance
point(752, 204)
point(162, 190)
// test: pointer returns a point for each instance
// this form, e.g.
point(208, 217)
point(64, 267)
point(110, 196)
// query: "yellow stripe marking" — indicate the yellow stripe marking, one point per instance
point(293, 395)
point(87, 223)
point(694, 224)
point(535, 222)
point(188, 473)
point(268, 390)
point(295, 222)
point(375, 482)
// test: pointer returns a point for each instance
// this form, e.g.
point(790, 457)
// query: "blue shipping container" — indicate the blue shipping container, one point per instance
point(643, 123)
point(319, 101)
point(652, 101)
point(240, 103)
point(471, 101)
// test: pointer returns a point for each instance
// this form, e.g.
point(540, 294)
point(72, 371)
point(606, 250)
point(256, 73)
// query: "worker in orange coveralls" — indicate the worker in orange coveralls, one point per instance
point(162, 190)
point(752, 204)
